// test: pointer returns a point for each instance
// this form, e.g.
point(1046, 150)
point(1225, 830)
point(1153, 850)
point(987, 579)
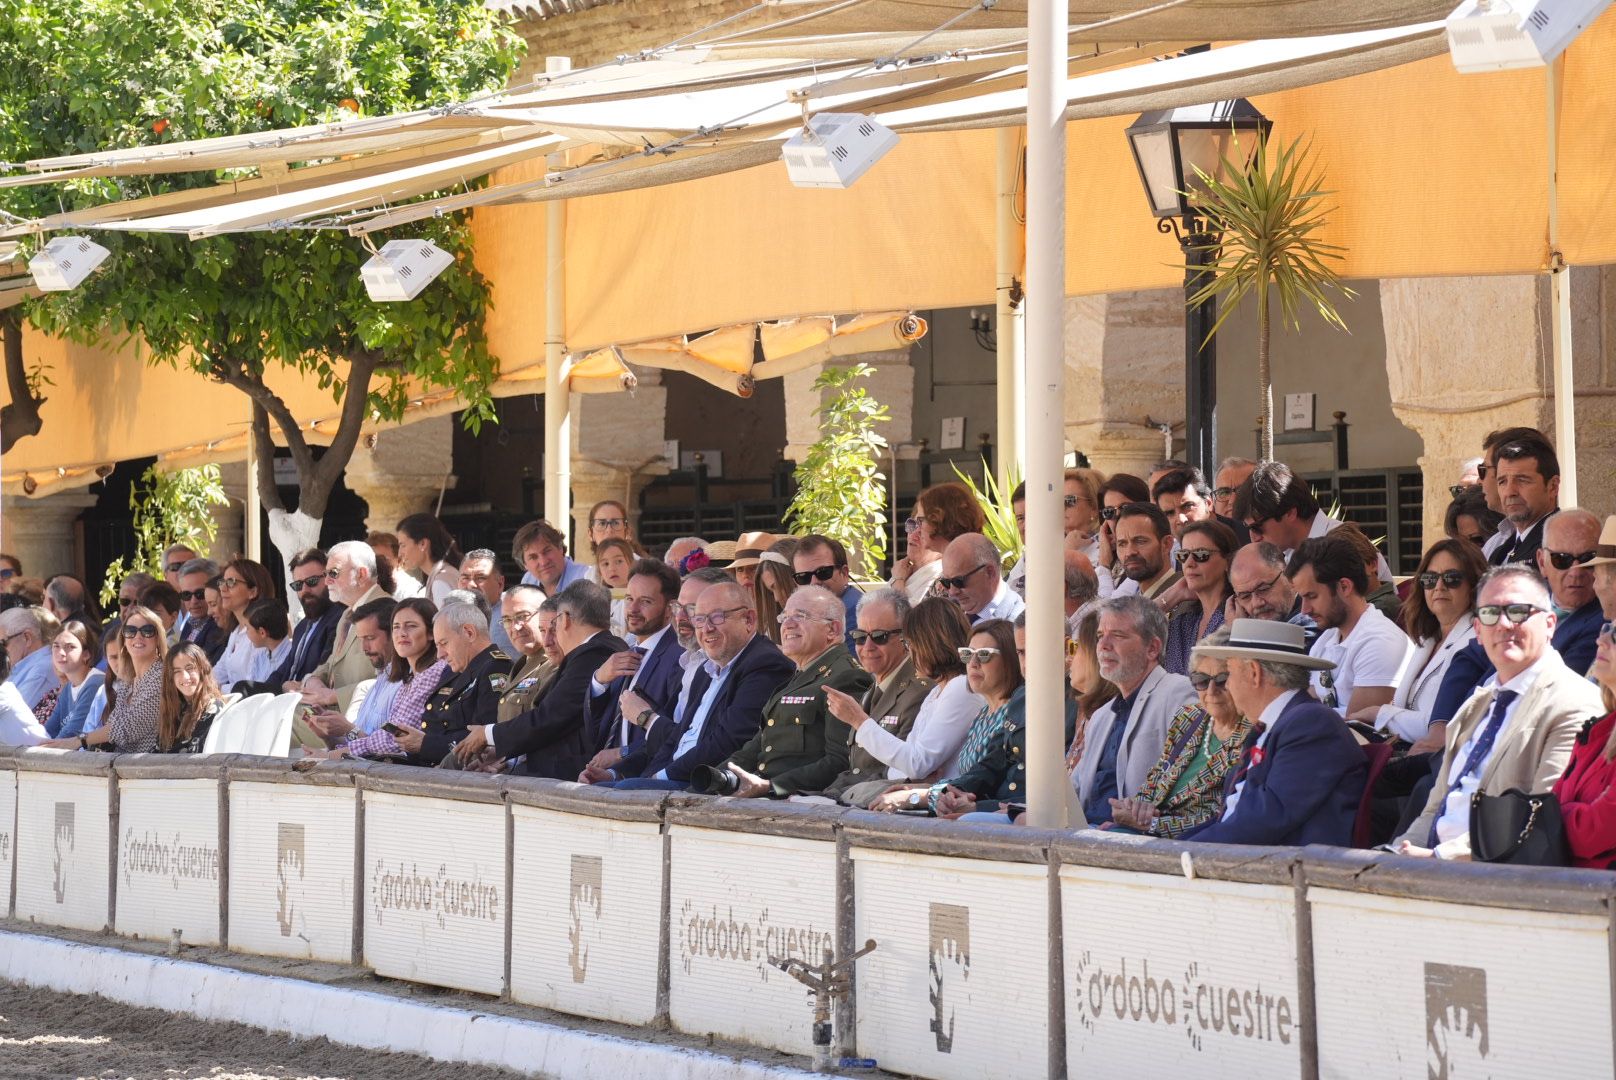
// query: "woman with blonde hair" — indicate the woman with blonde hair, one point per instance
point(773, 585)
point(135, 698)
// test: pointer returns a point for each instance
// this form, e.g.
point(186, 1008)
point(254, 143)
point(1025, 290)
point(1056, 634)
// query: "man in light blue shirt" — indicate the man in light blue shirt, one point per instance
point(372, 626)
point(27, 649)
point(542, 551)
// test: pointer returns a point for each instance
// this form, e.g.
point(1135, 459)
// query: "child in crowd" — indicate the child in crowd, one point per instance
point(191, 699)
point(270, 632)
point(613, 560)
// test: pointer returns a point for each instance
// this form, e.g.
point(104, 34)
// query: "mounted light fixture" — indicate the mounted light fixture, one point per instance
point(65, 262)
point(1495, 35)
point(402, 268)
point(835, 149)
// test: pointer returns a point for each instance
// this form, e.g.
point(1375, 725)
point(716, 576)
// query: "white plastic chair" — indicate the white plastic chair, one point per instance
point(270, 734)
point(221, 734)
point(361, 692)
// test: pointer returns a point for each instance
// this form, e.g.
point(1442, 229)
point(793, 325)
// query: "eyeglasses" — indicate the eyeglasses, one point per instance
point(1072, 500)
point(517, 618)
point(334, 572)
point(1517, 614)
point(1457, 490)
point(1565, 560)
point(1451, 578)
point(879, 637)
point(913, 524)
point(13, 637)
point(129, 601)
point(185, 594)
point(307, 583)
point(786, 618)
point(958, 582)
point(1200, 555)
point(1607, 632)
point(1200, 680)
point(145, 630)
point(976, 656)
point(1482, 471)
point(1477, 540)
point(818, 573)
point(1225, 492)
point(607, 523)
point(174, 567)
point(1261, 590)
point(230, 582)
point(716, 618)
point(1109, 513)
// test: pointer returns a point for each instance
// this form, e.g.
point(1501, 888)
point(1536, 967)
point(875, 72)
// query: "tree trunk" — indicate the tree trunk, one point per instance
point(20, 418)
point(1265, 410)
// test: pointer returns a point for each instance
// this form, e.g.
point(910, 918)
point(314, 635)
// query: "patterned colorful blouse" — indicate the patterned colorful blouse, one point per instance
point(1186, 799)
point(408, 705)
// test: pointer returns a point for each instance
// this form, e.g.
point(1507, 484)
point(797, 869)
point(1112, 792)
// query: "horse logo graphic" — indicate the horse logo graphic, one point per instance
point(1456, 1022)
point(290, 863)
point(583, 909)
point(950, 956)
point(63, 842)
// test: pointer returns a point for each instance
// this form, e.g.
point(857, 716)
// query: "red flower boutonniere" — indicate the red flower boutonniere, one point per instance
point(1257, 755)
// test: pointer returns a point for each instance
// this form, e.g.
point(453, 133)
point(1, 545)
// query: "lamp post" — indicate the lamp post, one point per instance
point(1169, 146)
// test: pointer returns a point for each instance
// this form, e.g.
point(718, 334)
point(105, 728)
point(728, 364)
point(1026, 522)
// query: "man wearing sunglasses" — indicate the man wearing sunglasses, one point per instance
point(821, 560)
point(29, 654)
point(972, 578)
point(1518, 730)
point(1277, 506)
point(315, 635)
point(350, 575)
point(195, 625)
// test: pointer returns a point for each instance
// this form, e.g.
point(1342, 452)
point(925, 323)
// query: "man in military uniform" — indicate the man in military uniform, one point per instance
point(470, 695)
point(529, 619)
point(801, 747)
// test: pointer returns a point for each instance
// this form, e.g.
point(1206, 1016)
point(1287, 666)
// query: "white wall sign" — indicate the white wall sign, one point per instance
point(1300, 412)
point(435, 891)
point(953, 434)
point(1458, 990)
point(1171, 977)
point(8, 835)
point(292, 870)
point(168, 859)
point(958, 985)
point(586, 914)
point(737, 900)
point(63, 849)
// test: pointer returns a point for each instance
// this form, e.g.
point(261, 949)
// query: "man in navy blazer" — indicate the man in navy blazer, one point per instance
point(723, 706)
point(1302, 774)
point(649, 666)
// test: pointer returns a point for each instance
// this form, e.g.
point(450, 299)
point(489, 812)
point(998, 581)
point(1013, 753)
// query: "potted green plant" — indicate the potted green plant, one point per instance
point(841, 490)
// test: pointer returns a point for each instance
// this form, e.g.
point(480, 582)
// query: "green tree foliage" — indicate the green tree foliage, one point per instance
point(841, 490)
point(1266, 217)
point(87, 74)
point(169, 508)
point(994, 499)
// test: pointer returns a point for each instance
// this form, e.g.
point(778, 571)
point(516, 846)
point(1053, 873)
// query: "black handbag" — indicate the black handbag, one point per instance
point(1518, 829)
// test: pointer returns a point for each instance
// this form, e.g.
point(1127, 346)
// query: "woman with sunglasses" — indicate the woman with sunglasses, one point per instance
point(1205, 740)
point(75, 652)
point(135, 697)
point(1587, 791)
point(191, 701)
point(1204, 551)
point(942, 512)
point(1437, 616)
point(773, 585)
point(243, 583)
point(1470, 518)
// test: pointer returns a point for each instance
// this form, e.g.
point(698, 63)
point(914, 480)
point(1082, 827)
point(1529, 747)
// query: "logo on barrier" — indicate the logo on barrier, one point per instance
point(1456, 1021)
point(716, 936)
point(172, 859)
point(290, 864)
point(445, 896)
point(950, 956)
point(583, 907)
point(63, 845)
point(1203, 1006)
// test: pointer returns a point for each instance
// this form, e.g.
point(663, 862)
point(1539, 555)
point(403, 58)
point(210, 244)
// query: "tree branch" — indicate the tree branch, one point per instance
point(328, 472)
point(20, 418)
point(264, 460)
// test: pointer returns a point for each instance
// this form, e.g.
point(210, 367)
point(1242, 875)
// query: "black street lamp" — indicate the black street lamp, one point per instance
point(1169, 145)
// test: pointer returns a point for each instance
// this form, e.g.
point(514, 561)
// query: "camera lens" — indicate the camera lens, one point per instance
point(713, 780)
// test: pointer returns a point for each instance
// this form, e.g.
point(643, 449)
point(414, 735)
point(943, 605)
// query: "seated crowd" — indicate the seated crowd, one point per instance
point(1242, 667)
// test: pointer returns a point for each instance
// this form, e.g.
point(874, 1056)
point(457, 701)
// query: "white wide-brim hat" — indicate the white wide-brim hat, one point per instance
point(1606, 551)
point(1264, 639)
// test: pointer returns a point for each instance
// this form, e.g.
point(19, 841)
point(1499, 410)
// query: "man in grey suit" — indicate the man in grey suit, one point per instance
point(1125, 736)
point(1518, 728)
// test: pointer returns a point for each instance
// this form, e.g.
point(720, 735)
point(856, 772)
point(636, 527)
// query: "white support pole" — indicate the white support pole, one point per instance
point(1010, 324)
point(252, 513)
point(1044, 391)
point(557, 395)
point(1565, 399)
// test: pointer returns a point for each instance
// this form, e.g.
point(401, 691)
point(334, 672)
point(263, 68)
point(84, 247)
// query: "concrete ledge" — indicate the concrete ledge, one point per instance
point(356, 1017)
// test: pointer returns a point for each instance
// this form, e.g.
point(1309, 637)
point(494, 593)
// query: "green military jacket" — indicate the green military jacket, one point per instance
point(801, 746)
point(894, 709)
point(527, 685)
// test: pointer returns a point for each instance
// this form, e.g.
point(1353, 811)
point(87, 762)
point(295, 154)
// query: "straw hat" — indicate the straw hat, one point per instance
point(750, 548)
point(1606, 551)
point(1264, 639)
point(721, 552)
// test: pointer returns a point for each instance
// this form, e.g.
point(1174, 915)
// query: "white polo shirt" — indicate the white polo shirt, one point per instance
point(1372, 655)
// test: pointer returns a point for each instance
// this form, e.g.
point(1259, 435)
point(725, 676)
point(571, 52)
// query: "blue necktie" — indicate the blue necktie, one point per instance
point(1483, 745)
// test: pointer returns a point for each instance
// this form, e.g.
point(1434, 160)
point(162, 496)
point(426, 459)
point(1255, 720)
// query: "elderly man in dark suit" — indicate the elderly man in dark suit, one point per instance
point(1301, 775)
point(555, 735)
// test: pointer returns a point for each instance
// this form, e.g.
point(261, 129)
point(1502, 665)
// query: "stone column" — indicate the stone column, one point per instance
point(1466, 356)
point(230, 520)
point(40, 532)
point(617, 448)
point(399, 472)
point(1125, 362)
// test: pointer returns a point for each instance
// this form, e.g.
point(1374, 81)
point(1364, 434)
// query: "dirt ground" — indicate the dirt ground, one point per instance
point(49, 1036)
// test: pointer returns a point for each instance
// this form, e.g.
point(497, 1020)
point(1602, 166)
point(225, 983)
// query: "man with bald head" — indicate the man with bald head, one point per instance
point(973, 577)
point(1259, 589)
point(1570, 544)
point(1082, 586)
point(801, 746)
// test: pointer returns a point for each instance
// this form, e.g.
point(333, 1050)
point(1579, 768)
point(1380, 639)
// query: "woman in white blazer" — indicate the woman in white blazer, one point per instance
point(1437, 615)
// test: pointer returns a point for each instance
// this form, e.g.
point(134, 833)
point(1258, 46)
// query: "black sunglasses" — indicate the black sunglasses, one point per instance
point(1565, 560)
point(819, 573)
point(959, 582)
point(1457, 490)
point(127, 601)
point(1451, 578)
point(309, 582)
point(145, 630)
point(174, 567)
point(880, 637)
point(1110, 513)
point(187, 594)
point(1200, 680)
point(1200, 555)
point(1517, 614)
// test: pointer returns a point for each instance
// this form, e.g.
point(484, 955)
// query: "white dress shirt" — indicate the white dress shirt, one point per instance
point(1454, 821)
point(1269, 717)
point(933, 745)
point(1420, 683)
point(236, 662)
point(18, 727)
point(1006, 604)
point(687, 741)
point(1372, 655)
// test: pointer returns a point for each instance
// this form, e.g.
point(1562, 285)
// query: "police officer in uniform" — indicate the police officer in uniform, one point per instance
point(801, 747)
point(469, 696)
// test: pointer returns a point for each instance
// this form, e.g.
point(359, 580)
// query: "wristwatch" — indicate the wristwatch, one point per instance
point(84, 743)
point(917, 799)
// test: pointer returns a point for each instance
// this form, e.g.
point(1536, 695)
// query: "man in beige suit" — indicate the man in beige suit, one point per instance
point(1517, 730)
point(350, 570)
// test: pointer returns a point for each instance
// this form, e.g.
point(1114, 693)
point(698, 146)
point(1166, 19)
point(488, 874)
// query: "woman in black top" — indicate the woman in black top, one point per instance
point(191, 701)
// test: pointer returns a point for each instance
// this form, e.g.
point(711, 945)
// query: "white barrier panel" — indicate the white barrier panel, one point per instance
point(8, 835)
point(168, 859)
point(1406, 986)
point(292, 870)
point(435, 891)
point(63, 849)
point(586, 914)
point(958, 985)
point(1166, 976)
point(736, 899)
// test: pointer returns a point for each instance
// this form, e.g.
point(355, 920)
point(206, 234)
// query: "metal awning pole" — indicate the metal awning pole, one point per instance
point(1010, 329)
point(557, 396)
point(1044, 390)
point(1565, 400)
